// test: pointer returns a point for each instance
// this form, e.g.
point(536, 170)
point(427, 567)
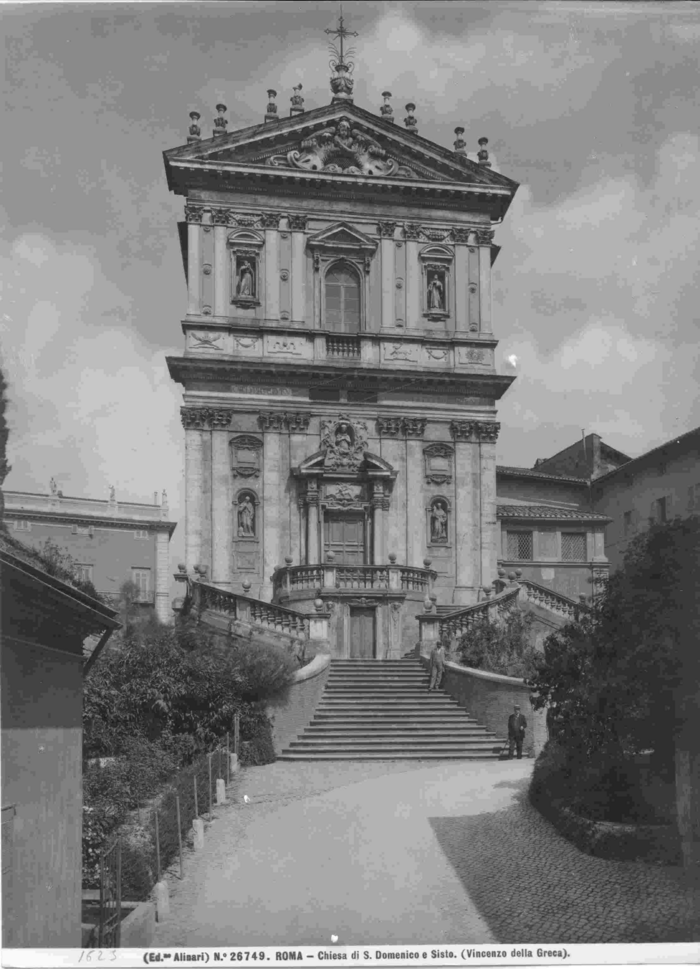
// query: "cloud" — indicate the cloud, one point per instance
point(90, 404)
point(601, 290)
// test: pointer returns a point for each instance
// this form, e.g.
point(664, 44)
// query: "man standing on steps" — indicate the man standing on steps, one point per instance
point(516, 732)
point(437, 666)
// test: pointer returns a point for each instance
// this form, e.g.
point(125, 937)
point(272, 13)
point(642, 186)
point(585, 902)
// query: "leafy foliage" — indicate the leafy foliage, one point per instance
point(609, 681)
point(500, 647)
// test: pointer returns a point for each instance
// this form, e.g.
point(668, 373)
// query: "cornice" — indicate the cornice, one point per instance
point(133, 524)
point(189, 369)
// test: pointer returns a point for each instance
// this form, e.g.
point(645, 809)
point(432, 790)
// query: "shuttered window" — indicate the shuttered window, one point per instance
point(342, 300)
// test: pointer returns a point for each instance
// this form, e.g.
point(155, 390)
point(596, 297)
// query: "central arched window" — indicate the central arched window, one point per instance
point(342, 299)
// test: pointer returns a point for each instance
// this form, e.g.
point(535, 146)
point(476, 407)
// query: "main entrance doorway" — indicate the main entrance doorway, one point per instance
point(345, 533)
point(362, 628)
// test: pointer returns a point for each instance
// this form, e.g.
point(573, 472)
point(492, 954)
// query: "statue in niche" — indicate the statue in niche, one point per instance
point(438, 522)
point(343, 440)
point(436, 298)
point(246, 518)
point(246, 281)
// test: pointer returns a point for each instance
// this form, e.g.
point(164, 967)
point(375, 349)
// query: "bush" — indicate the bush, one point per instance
point(259, 750)
point(500, 647)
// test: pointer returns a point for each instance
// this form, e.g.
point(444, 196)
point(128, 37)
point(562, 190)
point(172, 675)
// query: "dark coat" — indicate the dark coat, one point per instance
point(516, 725)
point(437, 660)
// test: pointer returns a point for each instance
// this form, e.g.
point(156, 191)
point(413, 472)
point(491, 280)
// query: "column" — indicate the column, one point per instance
point(379, 556)
point(270, 223)
point(484, 237)
point(388, 260)
point(194, 263)
point(273, 554)
point(393, 450)
point(221, 281)
point(467, 513)
point(297, 224)
point(163, 576)
point(313, 555)
point(297, 452)
point(194, 498)
point(222, 511)
point(488, 432)
point(414, 304)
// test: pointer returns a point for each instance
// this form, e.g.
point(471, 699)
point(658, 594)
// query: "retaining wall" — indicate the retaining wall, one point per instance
point(292, 714)
point(490, 698)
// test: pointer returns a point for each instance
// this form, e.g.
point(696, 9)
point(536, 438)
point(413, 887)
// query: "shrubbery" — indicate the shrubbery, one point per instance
point(500, 647)
point(608, 681)
point(156, 700)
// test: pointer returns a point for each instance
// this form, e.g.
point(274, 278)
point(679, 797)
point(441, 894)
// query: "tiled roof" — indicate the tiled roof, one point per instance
point(549, 511)
point(542, 475)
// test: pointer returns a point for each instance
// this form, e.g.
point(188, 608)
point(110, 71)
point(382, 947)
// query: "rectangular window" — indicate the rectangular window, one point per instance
point(694, 498)
point(627, 523)
point(23, 526)
point(329, 395)
point(83, 530)
point(659, 510)
point(142, 580)
point(83, 573)
point(519, 545)
point(573, 546)
point(141, 533)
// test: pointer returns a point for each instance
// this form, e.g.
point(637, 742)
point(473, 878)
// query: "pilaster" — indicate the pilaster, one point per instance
point(194, 496)
point(222, 510)
point(163, 576)
point(413, 281)
point(467, 511)
point(388, 261)
point(461, 287)
point(220, 268)
point(488, 434)
point(484, 237)
point(270, 221)
point(193, 215)
point(297, 225)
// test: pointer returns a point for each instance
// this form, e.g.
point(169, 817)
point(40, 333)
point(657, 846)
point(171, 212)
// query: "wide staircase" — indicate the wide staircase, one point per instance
point(382, 710)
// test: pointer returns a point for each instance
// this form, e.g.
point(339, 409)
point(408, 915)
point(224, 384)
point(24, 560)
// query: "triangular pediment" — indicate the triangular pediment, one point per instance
point(341, 236)
point(341, 141)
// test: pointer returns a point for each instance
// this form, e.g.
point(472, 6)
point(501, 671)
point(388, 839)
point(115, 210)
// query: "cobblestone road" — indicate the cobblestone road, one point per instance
point(398, 852)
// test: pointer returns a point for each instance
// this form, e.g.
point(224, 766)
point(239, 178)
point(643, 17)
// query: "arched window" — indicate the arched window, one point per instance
point(342, 299)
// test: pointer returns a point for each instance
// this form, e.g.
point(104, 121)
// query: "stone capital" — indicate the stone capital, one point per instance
point(412, 232)
point(221, 216)
point(386, 230)
point(298, 422)
point(463, 430)
point(205, 418)
point(414, 426)
point(270, 220)
point(461, 235)
point(297, 223)
point(194, 213)
point(484, 237)
point(487, 431)
point(272, 421)
point(389, 426)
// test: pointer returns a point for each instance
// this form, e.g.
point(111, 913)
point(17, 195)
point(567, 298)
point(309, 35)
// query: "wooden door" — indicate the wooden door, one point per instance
point(345, 537)
point(361, 633)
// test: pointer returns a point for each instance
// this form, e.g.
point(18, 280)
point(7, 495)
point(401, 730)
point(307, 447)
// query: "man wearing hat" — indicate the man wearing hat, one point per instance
point(516, 732)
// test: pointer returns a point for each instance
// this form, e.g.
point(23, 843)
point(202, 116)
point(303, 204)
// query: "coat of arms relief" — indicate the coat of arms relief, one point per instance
point(343, 443)
point(342, 150)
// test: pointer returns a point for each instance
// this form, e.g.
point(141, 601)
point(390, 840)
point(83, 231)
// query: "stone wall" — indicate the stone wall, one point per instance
point(490, 698)
point(291, 715)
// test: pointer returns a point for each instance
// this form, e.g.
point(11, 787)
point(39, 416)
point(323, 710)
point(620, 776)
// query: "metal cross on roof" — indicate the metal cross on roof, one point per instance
point(341, 33)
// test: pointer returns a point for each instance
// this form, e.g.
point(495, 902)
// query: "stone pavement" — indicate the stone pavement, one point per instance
point(397, 852)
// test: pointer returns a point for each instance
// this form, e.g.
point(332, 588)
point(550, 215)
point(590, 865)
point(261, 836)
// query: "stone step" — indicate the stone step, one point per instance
point(386, 755)
point(395, 733)
point(446, 723)
point(373, 693)
point(414, 743)
point(396, 703)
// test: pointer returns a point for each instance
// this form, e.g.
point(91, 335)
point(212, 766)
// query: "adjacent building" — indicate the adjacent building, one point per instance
point(110, 542)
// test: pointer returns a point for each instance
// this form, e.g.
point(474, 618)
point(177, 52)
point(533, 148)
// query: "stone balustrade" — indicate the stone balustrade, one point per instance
point(247, 609)
point(331, 578)
point(452, 625)
point(554, 601)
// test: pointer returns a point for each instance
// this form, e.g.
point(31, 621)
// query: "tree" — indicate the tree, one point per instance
point(502, 646)
point(609, 681)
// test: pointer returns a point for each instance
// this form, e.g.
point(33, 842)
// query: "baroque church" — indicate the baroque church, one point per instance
point(340, 389)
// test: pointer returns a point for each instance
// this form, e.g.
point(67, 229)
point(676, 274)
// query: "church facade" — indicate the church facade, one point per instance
point(340, 388)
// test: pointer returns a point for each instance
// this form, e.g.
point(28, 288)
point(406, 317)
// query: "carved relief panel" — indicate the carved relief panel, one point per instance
point(246, 456)
point(438, 463)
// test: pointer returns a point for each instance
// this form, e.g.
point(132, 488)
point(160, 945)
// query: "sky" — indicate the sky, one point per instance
point(592, 108)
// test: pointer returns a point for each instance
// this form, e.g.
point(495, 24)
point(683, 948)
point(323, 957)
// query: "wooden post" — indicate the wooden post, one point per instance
point(179, 831)
point(228, 759)
point(196, 805)
point(236, 733)
point(155, 814)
